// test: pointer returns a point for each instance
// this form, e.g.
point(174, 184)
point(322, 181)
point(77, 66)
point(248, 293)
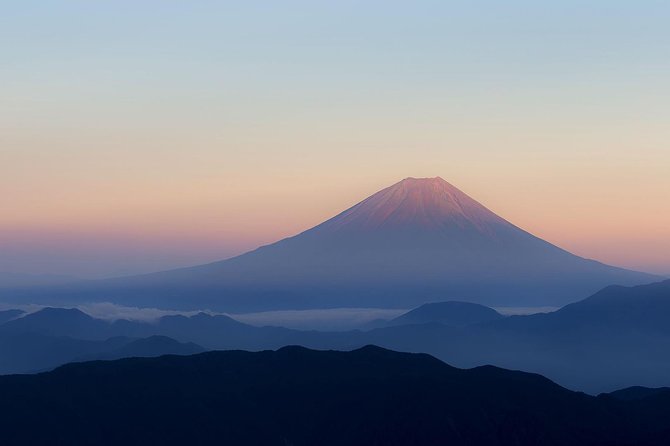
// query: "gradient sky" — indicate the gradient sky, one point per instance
point(142, 135)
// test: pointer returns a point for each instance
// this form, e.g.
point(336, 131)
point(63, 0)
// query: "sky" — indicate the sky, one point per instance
point(137, 136)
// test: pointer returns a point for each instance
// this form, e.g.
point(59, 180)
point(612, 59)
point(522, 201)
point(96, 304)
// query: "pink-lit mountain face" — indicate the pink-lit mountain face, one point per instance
point(428, 226)
point(420, 240)
point(417, 204)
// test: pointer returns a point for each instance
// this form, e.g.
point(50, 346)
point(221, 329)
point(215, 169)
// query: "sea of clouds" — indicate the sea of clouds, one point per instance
point(319, 319)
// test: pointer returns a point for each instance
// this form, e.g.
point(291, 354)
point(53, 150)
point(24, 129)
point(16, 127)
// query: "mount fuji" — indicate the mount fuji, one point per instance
point(419, 240)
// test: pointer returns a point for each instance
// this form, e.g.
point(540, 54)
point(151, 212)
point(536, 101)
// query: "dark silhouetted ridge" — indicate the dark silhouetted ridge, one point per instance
point(637, 393)
point(297, 396)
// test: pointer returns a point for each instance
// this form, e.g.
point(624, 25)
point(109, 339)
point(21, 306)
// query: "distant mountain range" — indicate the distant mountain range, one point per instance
point(417, 241)
point(52, 337)
point(295, 396)
point(617, 338)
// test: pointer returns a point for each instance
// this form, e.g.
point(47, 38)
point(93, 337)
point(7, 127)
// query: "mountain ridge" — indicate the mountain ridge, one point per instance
point(304, 397)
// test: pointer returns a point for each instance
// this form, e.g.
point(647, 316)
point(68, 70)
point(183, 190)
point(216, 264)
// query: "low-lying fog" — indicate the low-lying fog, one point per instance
point(333, 319)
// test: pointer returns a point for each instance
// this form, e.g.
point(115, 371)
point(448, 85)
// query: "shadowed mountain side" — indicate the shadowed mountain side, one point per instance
point(8, 315)
point(302, 397)
point(146, 348)
point(31, 352)
point(418, 241)
point(448, 313)
point(60, 322)
point(644, 308)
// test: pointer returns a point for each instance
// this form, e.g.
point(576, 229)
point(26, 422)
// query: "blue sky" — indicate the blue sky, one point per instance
point(206, 128)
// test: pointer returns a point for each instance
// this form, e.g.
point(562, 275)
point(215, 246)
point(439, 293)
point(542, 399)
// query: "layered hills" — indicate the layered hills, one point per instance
point(616, 338)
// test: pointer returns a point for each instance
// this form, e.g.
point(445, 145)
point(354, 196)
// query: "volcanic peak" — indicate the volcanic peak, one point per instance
point(420, 204)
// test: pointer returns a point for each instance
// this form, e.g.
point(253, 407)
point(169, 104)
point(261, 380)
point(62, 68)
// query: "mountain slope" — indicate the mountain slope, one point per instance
point(637, 393)
point(60, 322)
point(303, 397)
point(448, 313)
point(33, 352)
point(418, 241)
point(8, 315)
point(637, 309)
point(146, 348)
